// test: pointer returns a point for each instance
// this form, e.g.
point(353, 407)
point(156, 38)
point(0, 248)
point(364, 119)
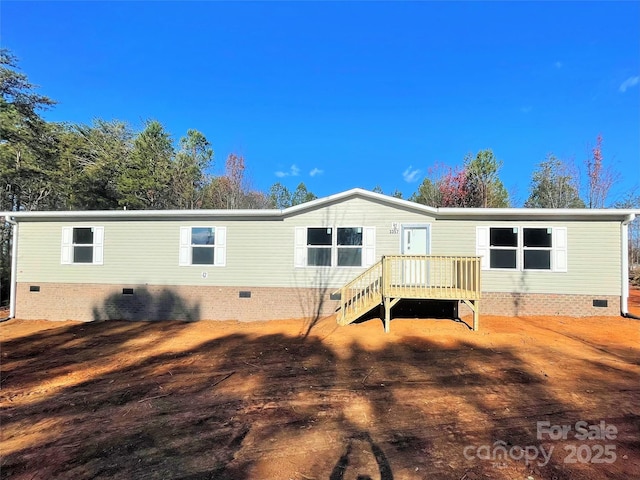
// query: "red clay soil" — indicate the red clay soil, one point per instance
point(227, 400)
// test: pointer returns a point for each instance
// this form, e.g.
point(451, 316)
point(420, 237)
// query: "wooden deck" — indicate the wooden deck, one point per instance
point(396, 277)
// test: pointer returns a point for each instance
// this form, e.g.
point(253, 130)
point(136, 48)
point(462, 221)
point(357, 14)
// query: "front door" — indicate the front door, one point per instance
point(415, 241)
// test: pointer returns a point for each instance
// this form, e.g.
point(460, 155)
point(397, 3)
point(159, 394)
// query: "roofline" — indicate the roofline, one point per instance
point(535, 211)
point(625, 215)
point(363, 193)
point(124, 214)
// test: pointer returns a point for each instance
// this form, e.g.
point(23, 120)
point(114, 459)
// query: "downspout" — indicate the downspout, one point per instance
point(14, 266)
point(624, 245)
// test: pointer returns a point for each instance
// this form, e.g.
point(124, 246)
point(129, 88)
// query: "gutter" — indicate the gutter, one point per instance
point(14, 266)
point(624, 255)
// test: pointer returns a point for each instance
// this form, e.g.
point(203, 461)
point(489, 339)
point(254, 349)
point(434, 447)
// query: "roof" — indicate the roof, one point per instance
point(623, 215)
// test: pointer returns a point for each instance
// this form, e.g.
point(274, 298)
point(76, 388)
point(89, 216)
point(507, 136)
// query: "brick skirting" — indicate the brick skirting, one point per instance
point(88, 302)
point(528, 304)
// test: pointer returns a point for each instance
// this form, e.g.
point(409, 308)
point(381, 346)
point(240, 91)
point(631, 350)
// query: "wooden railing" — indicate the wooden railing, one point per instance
point(395, 277)
point(431, 276)
point(361, 294)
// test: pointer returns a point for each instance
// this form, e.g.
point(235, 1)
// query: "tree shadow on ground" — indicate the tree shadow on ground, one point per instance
point(155, 402)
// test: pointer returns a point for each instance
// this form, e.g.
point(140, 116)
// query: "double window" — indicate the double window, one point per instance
point(82, 245)
point(522, 248)
point(204, 245)
point(334, 246)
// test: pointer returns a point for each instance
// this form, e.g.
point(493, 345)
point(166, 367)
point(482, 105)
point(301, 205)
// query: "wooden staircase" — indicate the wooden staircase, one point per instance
point(361, 294)
point(394, 277)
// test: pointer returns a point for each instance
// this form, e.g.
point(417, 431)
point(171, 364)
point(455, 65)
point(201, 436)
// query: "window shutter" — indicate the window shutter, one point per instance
point(482, 246)
point(560, 249)
point(98, 245)
point(369, 246)
point(65, 254)
point(300, 248)
point(220, 246)
point(185, 246)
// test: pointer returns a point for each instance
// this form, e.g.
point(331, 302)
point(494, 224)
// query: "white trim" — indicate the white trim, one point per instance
point(551, 249)
point(220, 246)
point(367, 248)
point(332, 247)
point(14, 268)
point(482, 246)
point(300, 247)
point(426, 226)
point(67, 247)
point(98, 245)
point(486, 213)
point(185, 248)
point(336, 248)
point(558, 250)
point(517, 248)
point(624, 253)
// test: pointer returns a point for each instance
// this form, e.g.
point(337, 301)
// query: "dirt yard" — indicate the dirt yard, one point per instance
point(225, 400)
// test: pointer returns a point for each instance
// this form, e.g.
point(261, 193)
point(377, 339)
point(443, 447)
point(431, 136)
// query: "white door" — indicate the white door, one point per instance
point(415, 241)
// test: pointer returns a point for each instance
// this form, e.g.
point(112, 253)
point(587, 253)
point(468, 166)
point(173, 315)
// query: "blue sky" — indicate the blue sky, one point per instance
point(349, 94)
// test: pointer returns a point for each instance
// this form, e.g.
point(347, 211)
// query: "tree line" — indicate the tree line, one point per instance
point(108, 165)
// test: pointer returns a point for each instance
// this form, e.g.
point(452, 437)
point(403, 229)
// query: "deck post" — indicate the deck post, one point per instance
point(476, 314)
point(387, 313)
point(388, 304)
point(396, 277)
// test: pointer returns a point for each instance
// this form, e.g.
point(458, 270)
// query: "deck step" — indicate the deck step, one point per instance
point(394, 277)
point(354, 314)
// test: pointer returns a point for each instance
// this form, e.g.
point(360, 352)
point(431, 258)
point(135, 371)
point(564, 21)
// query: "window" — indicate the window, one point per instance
point(527, 248)
point(319, 243)
point(202, 246)
point(334, 246)
point(82, 245)
point(504, 247)
point(537, 248)
point(350, 247)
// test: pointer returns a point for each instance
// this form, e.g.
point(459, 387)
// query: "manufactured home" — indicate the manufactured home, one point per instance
point(348, 253)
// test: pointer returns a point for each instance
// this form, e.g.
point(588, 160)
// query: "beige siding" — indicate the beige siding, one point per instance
point(593, 258)
point(353, 213)
point(260, 253)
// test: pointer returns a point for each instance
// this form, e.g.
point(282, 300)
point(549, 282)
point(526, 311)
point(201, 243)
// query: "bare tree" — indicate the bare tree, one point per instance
point(600, 178)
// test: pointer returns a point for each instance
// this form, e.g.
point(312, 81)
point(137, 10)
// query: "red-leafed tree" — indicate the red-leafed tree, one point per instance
point(476, 184)
point(454, 188)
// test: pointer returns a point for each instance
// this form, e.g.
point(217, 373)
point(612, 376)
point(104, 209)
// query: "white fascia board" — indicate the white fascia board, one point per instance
point(358, 192)
point(438, 213)
point(139, 214)
point(539, 213)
